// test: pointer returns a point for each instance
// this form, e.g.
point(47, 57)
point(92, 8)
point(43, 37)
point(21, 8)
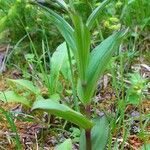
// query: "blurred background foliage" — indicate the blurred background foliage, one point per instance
point(22, 23)
point(19, 18)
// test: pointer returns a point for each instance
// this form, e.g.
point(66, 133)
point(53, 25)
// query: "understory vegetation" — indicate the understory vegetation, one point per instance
point(75, 74)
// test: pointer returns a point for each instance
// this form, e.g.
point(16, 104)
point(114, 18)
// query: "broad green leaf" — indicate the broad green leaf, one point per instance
point(95, 13)
point(98, 61)
point(26, 84)
point(133, 98)
point(11, 96)
point(99, 134)
point(62, 25)
point(82, 40)
point(55, 97)
point(101, 55)
point(59, 57)
point(66, 145)
point(65, 70)
point(63, 111)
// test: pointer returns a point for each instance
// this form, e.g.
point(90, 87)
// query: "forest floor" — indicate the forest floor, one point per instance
point(32, 131)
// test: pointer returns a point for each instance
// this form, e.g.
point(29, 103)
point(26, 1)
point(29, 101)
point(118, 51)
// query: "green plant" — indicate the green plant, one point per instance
point(135, 90)
point(90, 65)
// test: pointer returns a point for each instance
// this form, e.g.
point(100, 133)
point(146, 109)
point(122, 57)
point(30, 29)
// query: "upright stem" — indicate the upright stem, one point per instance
point(88, 139)
point(88, 131)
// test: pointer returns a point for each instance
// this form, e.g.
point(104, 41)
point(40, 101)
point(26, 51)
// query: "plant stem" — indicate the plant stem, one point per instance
point(88, 139)
point(88, 131)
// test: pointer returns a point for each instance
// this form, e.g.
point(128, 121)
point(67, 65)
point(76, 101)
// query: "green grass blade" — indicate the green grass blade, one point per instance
point(63, 111)
point(91, 19)
point(10, 120)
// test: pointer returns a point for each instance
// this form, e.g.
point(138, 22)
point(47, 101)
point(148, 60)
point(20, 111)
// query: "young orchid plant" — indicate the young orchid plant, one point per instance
point(90, 66)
